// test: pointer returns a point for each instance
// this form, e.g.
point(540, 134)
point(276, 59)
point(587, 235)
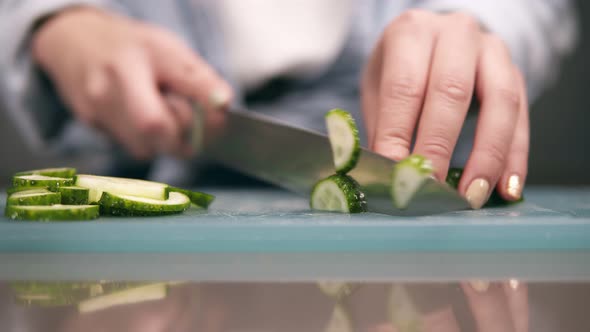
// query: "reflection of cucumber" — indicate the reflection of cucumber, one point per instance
point(454, 177)
point(73, 195)
point(198, 198)
point(338, 193)
point(340, 320)
point(129, 296)
point(34, 180)
point(126, 205)
point(52, 212)
point(61, 172)
point(344, 139)
point(121, 186)
point(34, 197)
point(408, 176)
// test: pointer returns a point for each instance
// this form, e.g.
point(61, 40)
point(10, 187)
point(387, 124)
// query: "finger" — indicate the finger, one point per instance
point(148, 116)
point(183, 113)
point(518, 304)
point(441, 320)
point(370, 92)
point(449, 92)
point(407, 53)
point(499, 95)
point(188, 74)
point(512, 181)
point(488, 306)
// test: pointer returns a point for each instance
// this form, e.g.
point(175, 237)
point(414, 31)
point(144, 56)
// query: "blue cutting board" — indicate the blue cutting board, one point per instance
point(274, 221)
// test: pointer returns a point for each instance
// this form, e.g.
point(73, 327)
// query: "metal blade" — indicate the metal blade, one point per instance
point(295, 159)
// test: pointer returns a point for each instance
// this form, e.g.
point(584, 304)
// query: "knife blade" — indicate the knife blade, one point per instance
point(295, 159)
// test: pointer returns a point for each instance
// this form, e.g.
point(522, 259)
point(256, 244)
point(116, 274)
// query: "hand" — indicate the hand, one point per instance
point(111, 72)
point(423, 74)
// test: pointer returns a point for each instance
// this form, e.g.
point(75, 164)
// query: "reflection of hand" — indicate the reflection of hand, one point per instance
point(420, 80)
point(111, 70)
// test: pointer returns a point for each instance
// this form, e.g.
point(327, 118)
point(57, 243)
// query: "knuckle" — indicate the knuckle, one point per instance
point(438, 147)
point(454, 89)
point(507, 95)
point(404, 89)
point(495, 153)
point(465, 21)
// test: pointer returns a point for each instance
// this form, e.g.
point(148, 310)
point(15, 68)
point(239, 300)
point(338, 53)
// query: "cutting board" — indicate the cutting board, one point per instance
point(274, 221)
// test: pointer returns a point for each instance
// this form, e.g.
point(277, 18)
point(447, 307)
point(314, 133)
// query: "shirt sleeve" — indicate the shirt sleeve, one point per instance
point(26, 94)
point(539, 33)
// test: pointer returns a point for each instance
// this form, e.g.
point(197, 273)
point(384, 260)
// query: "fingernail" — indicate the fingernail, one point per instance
point(514, 187)
point(477, 193)
point(514, 284)
point(479, 286)
point(219, 98)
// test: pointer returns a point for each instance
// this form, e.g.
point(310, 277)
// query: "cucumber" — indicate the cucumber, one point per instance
point(34, 197)
point(454, 177)
point(121, 186)
point(60, 172)
point(198, 198)
point(407, 178)
point(52, 212)
point(72, 195)
point(34, 180)
point(126, 205)
point(338, 193)
point(344, 140)
point(129, 296)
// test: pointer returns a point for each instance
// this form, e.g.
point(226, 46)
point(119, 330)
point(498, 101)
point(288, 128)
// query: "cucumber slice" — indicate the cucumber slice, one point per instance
point(198, 198)
point(338, 193)
point(126, 205)
point(407, 178)
point(73, 195)
point(53, 183)
point(34, 197)
point(344, 139)
point(60, 172)
point(53, 212)
point(454, 177)
point(121, 186)
point(130, 296)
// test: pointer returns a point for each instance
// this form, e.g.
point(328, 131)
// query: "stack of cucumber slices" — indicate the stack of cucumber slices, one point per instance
point(62, 194)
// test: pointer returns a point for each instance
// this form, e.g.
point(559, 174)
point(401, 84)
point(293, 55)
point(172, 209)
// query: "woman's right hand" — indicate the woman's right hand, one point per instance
point(111, 71)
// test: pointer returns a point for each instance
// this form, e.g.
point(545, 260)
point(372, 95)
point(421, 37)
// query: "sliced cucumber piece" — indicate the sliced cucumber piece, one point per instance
point(60, 172)
point(34, 197)
point(338, 193)
point(198, 198)
point(127, 205)
point(407, 178)
point(121, 186)
point(72, 195)
point(52, 212)
point(344, 139)
point(130, 296)
point(53, 183)
point(454, 177)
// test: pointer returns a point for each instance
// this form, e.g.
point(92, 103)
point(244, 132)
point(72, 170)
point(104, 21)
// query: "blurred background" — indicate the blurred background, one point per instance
point(559, 124)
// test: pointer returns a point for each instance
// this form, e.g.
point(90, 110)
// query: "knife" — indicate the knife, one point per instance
point(295, 159)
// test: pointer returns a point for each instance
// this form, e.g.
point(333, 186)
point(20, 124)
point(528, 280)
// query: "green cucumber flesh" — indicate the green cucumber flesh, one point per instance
point(34, 197)
point(72, 195)
point(344, 140)
point(127, 205)
point(121, 186)
point(407, 178)
point(135, 295)
point(338, 193)
point(59, 172)
point(35, 180)
point(198, 198)
point(52, 212)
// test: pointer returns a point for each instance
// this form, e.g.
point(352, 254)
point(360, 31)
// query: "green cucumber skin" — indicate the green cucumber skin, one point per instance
point(355, 198)
point(357, 143)
point(201, 199)
point(52, 185)
point(17, 212)
point(60, 172)
point(49, 198)
point(113, 205)
point(495, 200)
point(74, 195)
